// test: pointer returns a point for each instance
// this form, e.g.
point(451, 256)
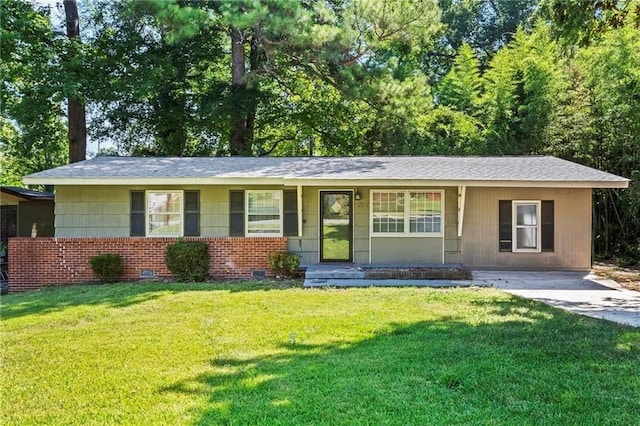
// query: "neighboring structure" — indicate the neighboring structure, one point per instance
point(481, 212)
point(25, 212)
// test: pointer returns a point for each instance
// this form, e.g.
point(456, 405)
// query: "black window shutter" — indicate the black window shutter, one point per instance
point(191, 213)
point(505, 227)
point(290, 206)
point(290, 214)
point(236, 213)
point(137, 214)
point(547, 230)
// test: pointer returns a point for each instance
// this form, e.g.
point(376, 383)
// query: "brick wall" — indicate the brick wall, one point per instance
point(37, 262)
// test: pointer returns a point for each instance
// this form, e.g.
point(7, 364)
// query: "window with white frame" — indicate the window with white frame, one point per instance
point(264, 213)
point(526, 226)
point(387, 209)
point(406, 213)
point(164, 213)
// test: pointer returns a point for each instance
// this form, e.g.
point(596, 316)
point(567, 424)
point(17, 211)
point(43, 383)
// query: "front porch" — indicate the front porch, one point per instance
point(386, 275)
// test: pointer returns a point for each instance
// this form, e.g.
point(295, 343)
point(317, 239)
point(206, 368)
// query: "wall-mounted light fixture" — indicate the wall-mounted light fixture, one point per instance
point(357, 195)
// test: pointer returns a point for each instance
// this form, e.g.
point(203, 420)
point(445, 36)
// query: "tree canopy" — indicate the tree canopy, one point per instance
point(332, 77)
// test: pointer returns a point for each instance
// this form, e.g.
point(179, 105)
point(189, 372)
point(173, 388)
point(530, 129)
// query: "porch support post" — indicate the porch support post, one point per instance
point(462, 191)
point(299, 193)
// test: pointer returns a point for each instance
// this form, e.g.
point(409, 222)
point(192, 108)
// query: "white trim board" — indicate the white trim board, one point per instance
point(344, 183)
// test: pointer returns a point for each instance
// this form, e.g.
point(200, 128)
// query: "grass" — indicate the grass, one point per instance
point(261, 353)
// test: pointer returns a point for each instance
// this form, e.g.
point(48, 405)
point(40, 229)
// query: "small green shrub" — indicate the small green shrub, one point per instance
point(284, 263)
point(188, 260)
point(108, 267)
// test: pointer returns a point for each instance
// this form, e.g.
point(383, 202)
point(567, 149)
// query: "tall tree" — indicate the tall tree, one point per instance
point(158, 78)
point(485, 25)
point(364, 55)
point(521, 87)
point(612, 75)
point(77, 123)
point(461, 88)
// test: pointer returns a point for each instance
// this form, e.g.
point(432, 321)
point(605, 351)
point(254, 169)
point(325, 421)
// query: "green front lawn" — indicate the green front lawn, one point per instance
point(255, 354)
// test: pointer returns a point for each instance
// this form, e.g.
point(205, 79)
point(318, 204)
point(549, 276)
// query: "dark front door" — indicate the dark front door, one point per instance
point(336, 226)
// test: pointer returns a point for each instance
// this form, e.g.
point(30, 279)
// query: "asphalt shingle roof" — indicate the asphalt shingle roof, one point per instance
point(458, 169)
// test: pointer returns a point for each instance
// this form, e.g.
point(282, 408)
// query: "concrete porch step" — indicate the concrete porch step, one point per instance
point(388, 275)
point(336, 282)
point(386, 272)
point(334, 272)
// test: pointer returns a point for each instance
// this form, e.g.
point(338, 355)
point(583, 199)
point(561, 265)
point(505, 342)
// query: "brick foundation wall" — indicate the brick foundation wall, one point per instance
point(38, 262)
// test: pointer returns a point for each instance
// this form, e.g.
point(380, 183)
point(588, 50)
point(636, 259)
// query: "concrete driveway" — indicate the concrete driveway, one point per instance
point(573, 291)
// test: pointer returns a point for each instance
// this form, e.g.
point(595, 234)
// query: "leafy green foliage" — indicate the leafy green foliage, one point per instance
point(188, 260)
point(461, 87)
point(450, 132)
point(284, 264)
point(485, 26)
point(155, 78)
point(521, 88)
point(108, 267)
point(611, 70)
point(585, 21)
point(32, 132)
point(164, 87)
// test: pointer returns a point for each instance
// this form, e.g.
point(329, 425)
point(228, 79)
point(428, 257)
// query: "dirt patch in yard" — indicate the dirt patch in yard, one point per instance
point(627, 277)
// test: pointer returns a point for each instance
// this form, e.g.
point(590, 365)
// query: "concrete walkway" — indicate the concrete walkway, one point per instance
point(573, 291)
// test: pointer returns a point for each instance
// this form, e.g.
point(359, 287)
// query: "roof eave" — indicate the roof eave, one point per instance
point(31, 180)
point(26, 197)
point(454, 182)
point(34, 180)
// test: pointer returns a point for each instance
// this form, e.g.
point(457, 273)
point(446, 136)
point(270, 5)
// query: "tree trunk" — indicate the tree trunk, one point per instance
point(77, 131)
point(252, 89)
point(238, 92)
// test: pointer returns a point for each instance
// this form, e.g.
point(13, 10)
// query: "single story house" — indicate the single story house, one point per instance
point(522, 212)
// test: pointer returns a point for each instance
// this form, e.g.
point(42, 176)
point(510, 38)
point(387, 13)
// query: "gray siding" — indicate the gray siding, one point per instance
point(91, 211)
point(308, 245)
point(103, 211)
point(384, 249)
point(406, 250)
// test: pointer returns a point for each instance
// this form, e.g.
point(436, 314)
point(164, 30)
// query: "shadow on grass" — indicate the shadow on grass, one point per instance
point(119, 295)
point(535, 366)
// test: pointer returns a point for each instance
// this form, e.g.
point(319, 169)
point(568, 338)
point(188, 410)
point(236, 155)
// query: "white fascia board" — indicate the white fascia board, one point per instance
point(288, 181)
point(152, 181)
point(407, 183)
point(549, 184)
